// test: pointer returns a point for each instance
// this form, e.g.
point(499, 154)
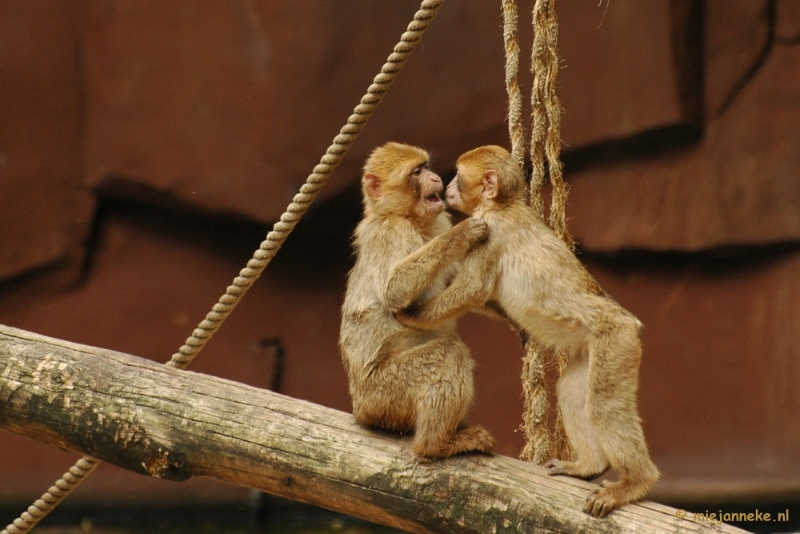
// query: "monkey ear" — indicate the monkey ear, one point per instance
point(372, 186)
point(489, 184)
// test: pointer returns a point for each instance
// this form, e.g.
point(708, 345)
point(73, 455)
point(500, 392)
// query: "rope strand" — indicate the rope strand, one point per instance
point(538, 108)
point(558, 216)
point(266, 251)
point(53, 496)
point(308, 192)
point(537, 406)
point(516, 130)
point(545, 158)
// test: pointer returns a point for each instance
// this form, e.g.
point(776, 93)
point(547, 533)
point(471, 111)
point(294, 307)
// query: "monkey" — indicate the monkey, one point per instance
point(526, 274)
point(402, 379)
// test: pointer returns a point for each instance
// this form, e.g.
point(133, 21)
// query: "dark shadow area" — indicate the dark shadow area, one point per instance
point(265, 514)
point(717, 262)
point(316, 253)
point(656, 143)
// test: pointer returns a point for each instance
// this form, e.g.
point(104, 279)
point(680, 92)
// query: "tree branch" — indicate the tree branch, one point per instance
point(175, 424)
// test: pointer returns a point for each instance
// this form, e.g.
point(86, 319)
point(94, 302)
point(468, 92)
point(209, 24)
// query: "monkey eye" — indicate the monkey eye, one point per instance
point(417, 170)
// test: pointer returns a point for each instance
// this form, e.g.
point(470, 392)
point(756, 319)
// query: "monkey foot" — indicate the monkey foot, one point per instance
point(573, 469)
point(472, 439)
point(603, 500)
point(612, 495)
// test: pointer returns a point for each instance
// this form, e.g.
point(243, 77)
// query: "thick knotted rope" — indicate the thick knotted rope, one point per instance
point(545, 156)
point(516, 130)
point(266, 251)
point(546, 130)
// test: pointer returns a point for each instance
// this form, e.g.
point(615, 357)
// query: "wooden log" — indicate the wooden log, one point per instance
point(175, 424)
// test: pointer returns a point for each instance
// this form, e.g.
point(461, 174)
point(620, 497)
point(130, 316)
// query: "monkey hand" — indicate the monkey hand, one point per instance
point(471, 230)
point(410, 317)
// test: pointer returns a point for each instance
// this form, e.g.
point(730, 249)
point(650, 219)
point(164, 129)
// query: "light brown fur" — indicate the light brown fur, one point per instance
point(404, 379)
point(528, 275)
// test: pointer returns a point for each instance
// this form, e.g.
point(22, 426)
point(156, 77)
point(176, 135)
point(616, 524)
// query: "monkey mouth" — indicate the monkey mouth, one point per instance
point(433, 198)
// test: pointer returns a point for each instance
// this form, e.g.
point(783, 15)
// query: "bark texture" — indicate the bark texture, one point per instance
point(178, 424)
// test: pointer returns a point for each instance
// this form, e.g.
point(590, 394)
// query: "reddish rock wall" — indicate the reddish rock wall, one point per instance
point(145, 147)
point(46, 208)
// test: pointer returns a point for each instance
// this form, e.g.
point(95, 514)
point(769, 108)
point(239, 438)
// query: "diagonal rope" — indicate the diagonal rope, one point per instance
point(266, 251)
point(308, 192)
point(53, 496)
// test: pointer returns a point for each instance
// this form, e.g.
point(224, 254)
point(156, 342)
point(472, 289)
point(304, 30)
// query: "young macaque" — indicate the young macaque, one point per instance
point(404, 379)
point(526, 274)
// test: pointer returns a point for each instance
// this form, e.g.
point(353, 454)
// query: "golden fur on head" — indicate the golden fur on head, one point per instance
point(394, 158)
point(389, 184)
point(511, 183)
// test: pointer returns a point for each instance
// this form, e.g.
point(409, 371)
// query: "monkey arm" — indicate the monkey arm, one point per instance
point(472, 287)
point(410, 277)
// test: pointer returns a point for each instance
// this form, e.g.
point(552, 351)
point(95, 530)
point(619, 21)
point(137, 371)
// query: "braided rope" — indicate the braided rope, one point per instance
point(53, 496)
point(539, 110)
point(545, 156)
point(546, 130)
point(516, 129)
point(537, 406)
point(308, 192)
point(558, 216)
point(266, 251)
point(563, 450)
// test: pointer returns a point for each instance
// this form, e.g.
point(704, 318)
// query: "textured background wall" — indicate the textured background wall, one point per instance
point(146, 147)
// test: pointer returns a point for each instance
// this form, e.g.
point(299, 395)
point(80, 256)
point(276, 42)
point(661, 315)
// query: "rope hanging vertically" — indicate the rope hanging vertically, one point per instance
point(516, 130)
point(266, 251)
point(545, 24)
point(546, 119)
point(545, 159)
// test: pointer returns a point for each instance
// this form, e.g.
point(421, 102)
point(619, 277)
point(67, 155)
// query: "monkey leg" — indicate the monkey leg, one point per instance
point(444, 398)
point(589, 460)
point(427, 388)
point(614, 358)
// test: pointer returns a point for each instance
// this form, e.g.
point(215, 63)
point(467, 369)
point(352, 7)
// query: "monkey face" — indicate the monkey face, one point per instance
point(463, 192)
point(430, 188)
point(486, 175)
point(398, 181)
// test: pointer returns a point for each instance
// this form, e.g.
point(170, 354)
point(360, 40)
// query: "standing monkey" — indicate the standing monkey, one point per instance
point(525, 273)
point(404, 379)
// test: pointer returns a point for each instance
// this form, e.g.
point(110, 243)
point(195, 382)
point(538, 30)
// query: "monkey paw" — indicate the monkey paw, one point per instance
point(475, 439)
point(408, 317)
point(609, 496)
point(573, 469)
point(474, 229)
